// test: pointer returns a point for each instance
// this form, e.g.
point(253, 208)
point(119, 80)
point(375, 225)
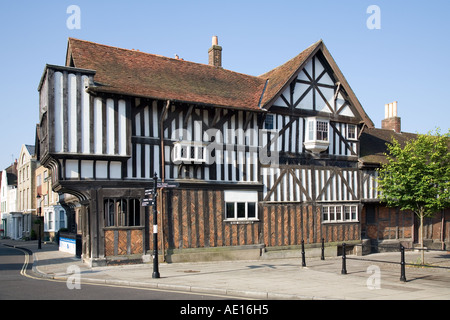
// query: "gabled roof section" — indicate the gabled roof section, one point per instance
point(140, 74)
point(28, 152)
point(280, 78)
point(31, 149)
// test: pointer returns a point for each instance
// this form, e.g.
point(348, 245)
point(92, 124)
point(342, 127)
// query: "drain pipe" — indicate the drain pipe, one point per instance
point(163, 174)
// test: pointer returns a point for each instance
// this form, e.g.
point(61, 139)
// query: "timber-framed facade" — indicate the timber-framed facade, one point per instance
point(260, 162)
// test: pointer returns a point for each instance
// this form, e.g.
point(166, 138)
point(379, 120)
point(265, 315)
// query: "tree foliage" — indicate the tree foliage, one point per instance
point(416, 176)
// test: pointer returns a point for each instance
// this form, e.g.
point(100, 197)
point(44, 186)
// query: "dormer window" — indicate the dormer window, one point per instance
point(316, 140)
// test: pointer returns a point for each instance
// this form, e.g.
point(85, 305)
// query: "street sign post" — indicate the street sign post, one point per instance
point(155, 273)
point(150, 199)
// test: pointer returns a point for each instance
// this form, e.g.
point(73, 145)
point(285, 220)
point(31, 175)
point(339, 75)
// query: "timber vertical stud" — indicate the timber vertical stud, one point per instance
point(215, 53)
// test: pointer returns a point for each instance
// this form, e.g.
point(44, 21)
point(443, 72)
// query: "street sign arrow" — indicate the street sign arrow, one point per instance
point(147, 202)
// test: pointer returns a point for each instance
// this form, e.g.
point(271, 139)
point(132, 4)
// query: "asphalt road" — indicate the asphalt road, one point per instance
point(18, 282)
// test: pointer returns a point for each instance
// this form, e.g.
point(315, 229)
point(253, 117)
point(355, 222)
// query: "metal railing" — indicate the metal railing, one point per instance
point(401, 249)
point(402, 262)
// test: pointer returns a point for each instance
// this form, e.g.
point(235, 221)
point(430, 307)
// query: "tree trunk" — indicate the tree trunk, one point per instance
point(421, 233)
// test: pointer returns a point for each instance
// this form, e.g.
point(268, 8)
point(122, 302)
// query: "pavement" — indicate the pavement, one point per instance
point(371, 277)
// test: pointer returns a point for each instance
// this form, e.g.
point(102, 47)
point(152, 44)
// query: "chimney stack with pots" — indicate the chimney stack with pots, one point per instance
point(391, 121)
point(215, 53)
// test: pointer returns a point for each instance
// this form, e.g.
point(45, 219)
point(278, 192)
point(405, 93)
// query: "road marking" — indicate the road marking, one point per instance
point(23, 272)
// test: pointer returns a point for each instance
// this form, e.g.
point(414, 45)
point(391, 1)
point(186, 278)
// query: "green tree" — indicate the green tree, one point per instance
point(416, 176)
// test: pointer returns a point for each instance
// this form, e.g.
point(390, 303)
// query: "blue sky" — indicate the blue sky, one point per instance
point(405, 61)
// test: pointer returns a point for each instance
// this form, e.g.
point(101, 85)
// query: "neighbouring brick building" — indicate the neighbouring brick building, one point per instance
point(388, 226)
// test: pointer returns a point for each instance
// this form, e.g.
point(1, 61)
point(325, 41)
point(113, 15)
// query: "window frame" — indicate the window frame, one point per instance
point(269, 122)
point(189, 152)
point(337, 213)
point(314, 140)
point(355, 132)
point(312, 129)
point(121, 215)
point(62, 219)
point(325, 130)
point(247, 199)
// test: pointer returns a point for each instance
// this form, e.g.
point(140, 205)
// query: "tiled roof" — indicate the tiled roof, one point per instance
point(373, 144)
point(147, 75)
point(31, 149)
point(140, 74)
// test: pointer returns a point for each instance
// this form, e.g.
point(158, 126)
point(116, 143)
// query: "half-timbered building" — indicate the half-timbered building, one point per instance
point(260, 162)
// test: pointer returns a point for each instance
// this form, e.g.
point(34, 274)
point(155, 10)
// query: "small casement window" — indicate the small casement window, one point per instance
point(351, 132)
point(122, 212)
point(350, 213)
point(340, 213)
point(241, 205)
point(268, 122)
point(321, 130)
point(311, 130)
point(62, 219)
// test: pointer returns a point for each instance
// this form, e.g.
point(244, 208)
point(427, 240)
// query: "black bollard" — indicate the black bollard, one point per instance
point(303, 254)
point(322, 257)
point(402, 264)
point(344, 258)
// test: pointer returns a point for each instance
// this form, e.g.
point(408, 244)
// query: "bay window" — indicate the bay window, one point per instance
point(189, 152)
point(317, 133)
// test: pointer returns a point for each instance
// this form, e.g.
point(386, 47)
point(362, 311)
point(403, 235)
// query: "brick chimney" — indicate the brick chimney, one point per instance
point(215, 53)
point(391, 121)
